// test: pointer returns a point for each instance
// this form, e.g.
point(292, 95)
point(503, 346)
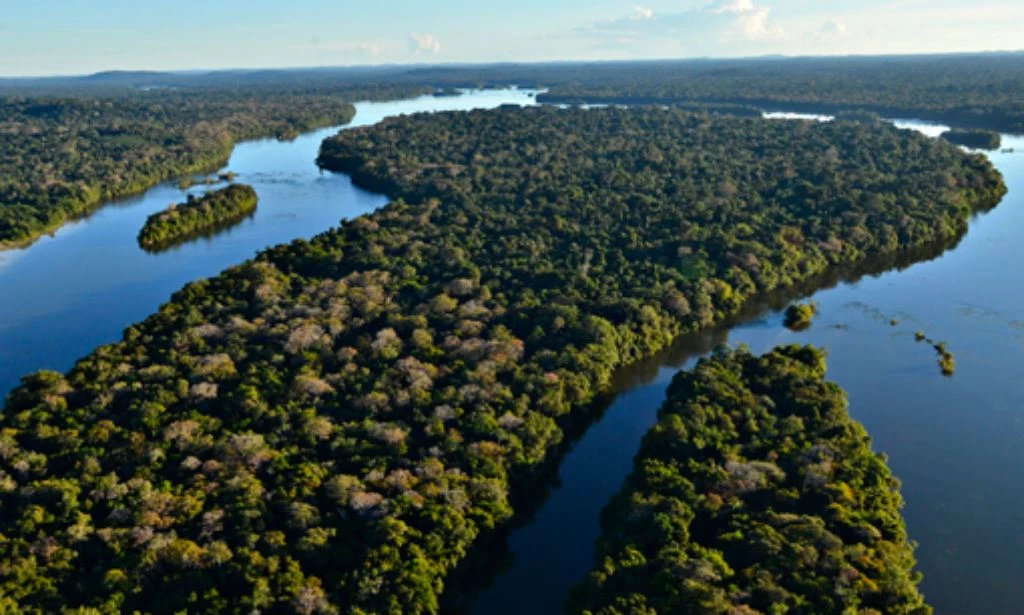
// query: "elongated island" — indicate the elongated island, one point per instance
point(198, 216)
point(755, 493)
point(974, 138)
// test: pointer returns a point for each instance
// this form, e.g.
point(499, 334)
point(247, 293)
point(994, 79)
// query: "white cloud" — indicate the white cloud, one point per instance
point(833, 29)
point(731, 6)
point(642, 12)
point(719, 23)
point(424, 43)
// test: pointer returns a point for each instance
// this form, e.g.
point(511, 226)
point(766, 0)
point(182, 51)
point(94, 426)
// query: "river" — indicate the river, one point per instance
point(956, 443)
point(79, 288)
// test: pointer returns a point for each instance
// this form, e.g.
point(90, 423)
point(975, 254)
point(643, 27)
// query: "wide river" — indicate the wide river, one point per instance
point(956, 443)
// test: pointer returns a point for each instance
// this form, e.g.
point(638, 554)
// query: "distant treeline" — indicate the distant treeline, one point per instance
point(197, 216)
point(755, 493)
point(965, 90)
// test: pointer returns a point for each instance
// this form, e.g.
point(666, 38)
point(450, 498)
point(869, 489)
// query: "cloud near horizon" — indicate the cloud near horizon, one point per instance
point(109, 34)
point(424, 43)
point(719, 25)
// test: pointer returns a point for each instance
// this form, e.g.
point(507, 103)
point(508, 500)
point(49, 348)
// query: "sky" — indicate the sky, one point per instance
point(46, 37)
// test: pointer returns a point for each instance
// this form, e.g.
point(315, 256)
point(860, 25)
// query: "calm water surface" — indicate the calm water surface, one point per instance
point(67, 294)
point(956, 443)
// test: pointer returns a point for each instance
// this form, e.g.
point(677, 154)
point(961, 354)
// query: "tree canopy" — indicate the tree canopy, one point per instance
point(65, 155)
point(198, 215)
point(755, 493)
point(331, 426)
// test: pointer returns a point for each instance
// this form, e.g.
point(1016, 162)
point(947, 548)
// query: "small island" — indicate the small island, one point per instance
point(861, 116)
point(197, 216)
point(447, 93)
point(976, 139)
point(799, 316)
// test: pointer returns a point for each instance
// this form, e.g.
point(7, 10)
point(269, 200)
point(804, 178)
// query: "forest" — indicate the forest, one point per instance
point(755, 493)
point(970, 90)
point(333, 426)
point(71, 143)
point(65, 155)
point(976, 139)
point(197, 216)
point(979, 90)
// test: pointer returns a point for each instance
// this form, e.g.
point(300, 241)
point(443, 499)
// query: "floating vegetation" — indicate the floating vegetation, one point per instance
point(947, 363)
point(800, 315)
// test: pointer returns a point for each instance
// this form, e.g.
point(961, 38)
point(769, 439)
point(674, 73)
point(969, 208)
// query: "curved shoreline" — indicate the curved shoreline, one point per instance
point(824, 273)
point(477, 570)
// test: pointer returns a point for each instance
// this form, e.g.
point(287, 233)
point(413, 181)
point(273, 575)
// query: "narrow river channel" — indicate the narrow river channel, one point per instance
point(957, 443)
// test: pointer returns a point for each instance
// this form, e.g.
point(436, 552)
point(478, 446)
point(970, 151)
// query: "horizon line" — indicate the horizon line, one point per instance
point(454, 64)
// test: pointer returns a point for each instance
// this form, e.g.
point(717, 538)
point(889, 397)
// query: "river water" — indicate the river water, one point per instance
point(957, 443)
point(70, 292)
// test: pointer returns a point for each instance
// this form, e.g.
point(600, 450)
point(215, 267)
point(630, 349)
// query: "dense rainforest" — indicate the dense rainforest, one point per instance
point(966, 90)
point(197, 216)
point(331, 427)
point(755, 493)
point(63, 156)
point(974, 138)
point(974, 91)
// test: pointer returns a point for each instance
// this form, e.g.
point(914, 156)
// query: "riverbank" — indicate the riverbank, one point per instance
point(79, 288)
point(882, 372)
point(927, 425)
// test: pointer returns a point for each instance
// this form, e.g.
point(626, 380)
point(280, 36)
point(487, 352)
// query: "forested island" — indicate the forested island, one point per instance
point(799, 316)
point(965, 90)
point(332, 426)
point(976, 139)
point(65, 154)
point(755, 493)
point(197, 216)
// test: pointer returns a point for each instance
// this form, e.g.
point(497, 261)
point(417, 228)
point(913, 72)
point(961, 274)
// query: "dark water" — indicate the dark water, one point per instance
point(956, 443)
point(67, 294)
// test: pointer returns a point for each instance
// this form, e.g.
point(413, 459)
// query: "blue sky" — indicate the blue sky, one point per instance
point(39, 37)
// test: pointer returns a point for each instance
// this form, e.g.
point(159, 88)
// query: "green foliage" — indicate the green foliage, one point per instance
point(199, 215)
point(976, 91)
point(332, 426)
point(799, 316)
point(977, 139)
point(63, 156)
point(755, 493)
